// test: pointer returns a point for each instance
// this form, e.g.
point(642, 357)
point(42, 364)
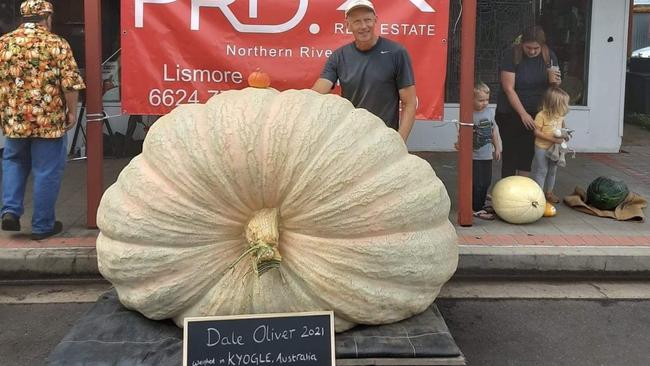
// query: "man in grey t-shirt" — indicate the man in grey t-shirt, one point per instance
point(375, 73)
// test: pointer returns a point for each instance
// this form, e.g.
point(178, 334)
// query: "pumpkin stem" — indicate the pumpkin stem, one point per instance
point(262, 236)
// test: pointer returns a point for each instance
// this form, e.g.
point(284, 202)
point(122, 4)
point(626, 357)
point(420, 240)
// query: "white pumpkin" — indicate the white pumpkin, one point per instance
point(518, 200)
point(319, 198)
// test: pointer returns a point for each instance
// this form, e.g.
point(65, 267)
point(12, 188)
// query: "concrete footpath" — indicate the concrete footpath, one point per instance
point(569, 244)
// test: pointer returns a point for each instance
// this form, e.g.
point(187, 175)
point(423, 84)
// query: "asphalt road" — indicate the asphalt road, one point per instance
point(550, 332)
point(28, 333)
point(502, 331)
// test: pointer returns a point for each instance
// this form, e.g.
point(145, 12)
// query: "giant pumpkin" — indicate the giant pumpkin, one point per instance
point(260, 201)
point(518, 200)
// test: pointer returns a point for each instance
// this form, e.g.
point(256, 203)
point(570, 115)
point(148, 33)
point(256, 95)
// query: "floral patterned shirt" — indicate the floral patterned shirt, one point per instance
point(36, 67)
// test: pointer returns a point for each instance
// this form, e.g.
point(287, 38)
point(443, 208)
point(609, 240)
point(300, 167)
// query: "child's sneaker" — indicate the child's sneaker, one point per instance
point(484, 215)
point(489, 209)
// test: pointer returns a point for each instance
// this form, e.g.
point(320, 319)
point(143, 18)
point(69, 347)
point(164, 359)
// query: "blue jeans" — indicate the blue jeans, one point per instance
point(481, 181)
point(46, 159)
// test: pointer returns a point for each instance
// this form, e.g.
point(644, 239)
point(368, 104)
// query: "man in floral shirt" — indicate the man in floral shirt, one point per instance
point(39, 90)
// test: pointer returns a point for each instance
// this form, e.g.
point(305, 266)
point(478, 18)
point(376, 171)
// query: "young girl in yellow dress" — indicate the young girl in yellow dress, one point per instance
point(555, 105)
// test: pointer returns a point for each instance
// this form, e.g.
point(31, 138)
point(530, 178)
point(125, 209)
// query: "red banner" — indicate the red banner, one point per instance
point(184, 51)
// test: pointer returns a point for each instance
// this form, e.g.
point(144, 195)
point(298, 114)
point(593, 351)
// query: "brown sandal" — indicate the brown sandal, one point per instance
point(550, 197)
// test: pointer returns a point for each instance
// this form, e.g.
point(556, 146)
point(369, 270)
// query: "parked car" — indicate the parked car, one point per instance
point(642, 52)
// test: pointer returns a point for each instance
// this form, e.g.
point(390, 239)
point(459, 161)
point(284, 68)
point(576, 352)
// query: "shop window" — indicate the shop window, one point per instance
point(640, 41)
point(499, 22)
point(111, 51)
point(567, 24)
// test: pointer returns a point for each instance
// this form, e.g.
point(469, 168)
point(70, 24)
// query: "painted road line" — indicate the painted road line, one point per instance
point(578, 290)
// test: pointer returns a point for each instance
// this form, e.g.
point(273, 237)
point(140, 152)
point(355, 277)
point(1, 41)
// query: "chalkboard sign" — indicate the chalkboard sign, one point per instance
point(292, 339)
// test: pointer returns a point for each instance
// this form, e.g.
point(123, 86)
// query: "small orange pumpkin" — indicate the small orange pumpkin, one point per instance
point(259, 79)
point(549, 210)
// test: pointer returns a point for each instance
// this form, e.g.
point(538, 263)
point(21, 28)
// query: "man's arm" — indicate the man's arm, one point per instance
point(409, 103)
point(71, 100)
point(71, 83)
point(322, 86)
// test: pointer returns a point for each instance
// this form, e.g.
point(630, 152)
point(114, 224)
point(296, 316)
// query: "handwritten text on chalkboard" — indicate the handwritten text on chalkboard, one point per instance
point(253, 340)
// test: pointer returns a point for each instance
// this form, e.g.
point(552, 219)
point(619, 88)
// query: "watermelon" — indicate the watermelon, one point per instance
point(605, 193)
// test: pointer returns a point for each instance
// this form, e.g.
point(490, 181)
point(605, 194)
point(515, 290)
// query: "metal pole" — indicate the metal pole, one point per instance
point(94, 108)
point(467, 53)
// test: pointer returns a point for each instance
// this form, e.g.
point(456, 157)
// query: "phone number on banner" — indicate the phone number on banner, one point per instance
point(174, 97)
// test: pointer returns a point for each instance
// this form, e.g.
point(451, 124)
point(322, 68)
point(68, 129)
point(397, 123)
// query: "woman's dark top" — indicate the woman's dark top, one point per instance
point(531, 81)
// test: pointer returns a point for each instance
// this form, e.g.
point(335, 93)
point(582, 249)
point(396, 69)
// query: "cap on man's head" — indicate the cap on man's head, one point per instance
point(355, 4)
point(36, 7)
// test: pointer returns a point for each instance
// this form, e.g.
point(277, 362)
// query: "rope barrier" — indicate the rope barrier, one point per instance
point(102, 116)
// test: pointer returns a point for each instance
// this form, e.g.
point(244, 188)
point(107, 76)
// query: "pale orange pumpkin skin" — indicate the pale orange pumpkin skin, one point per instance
point(360, 225)
point(259, 79)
